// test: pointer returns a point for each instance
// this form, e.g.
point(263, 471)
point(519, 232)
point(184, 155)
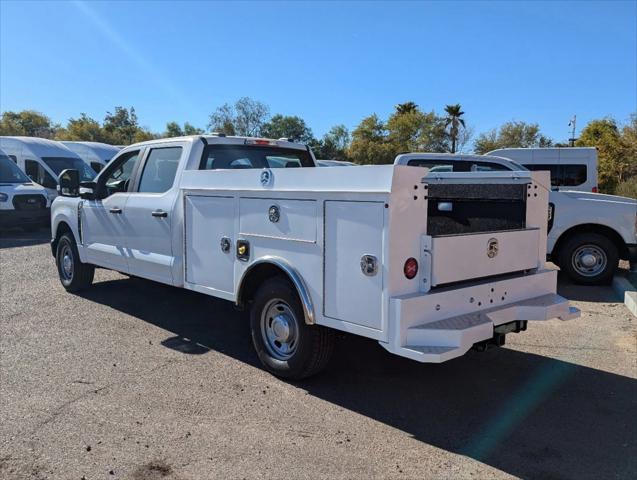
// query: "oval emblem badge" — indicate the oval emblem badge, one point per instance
point(274, 214)
point(266, 177)
point(492, 247)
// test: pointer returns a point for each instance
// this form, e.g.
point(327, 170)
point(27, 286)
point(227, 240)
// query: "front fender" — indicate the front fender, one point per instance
point(573, 212)
point(64, 210)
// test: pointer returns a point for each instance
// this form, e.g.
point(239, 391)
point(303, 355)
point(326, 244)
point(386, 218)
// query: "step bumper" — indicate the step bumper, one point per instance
point(437, 327)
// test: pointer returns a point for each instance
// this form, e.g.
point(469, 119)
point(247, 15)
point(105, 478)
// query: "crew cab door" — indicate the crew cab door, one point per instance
point(103, 221)
point(149, 213)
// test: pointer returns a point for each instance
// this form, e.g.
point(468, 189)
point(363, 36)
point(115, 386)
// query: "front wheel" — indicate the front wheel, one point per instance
point(589, 259)
point(74, 274)
point(285, 344)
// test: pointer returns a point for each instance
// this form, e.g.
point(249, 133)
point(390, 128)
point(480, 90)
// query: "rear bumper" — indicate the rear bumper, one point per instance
point(18, 218)
point(438, 326)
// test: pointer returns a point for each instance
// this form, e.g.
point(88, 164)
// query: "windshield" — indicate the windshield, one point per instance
point(58, 164)
point(10, 173)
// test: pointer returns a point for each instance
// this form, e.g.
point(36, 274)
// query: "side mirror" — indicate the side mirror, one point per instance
point(69, 183)
point(88, 190)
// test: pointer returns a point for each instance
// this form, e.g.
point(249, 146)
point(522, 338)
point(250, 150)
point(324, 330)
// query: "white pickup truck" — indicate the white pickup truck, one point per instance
point(588, 232)
point(309, 250)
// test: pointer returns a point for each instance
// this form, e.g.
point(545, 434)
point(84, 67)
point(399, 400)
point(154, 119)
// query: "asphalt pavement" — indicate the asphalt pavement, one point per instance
point(135, 380)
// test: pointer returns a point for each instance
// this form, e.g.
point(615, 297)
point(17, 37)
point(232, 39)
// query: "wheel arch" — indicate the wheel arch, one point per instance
point(61, 228)
point(268, 267)
point(608, 232)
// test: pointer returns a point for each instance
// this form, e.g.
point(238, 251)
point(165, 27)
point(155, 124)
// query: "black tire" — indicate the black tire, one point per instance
point(600, 247)
point(312, 345)
point(79, 275)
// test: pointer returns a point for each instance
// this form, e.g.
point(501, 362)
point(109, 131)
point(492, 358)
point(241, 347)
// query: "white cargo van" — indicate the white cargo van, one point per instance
point(96, 154)
point(43, 160)
point(22, 202)
point(572, 168)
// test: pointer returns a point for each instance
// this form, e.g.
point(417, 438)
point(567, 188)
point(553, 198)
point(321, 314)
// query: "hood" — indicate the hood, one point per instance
point(23, 188)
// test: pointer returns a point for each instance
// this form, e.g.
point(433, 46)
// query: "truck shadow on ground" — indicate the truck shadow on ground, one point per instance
point(10, 238)
point(585, 293)
point(525, 414)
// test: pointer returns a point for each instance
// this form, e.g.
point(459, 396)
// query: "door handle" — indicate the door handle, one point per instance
point(159, 213)
point(115, 210)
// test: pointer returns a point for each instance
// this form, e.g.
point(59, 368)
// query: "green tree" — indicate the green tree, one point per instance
point(174, 130)
point(407, 107)
point(246, 117)
point(82, 128)
point(629, 140)
point(27, 123)
point(122, 128)
point(453, 121)
point(291, 127)
point(192, 130)
point(613, 166)
point(415, 130)
point(334, 144)
point(512, 135)
point(370, 144)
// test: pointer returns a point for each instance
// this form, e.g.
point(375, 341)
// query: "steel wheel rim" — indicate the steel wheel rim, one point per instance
point(66, 263)
point(589, 260)
point(279, 329)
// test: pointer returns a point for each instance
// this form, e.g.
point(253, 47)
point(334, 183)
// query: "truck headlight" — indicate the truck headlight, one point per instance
point(3, 197)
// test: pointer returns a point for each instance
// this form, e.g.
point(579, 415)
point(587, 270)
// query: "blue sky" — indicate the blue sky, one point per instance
point(327, 62)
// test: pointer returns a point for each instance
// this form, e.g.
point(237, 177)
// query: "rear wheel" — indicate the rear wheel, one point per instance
point(589, 258)
point(285, 344)
point(74, 274)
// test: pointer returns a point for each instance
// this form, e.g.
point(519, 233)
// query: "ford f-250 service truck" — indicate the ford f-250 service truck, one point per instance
point(310, 250)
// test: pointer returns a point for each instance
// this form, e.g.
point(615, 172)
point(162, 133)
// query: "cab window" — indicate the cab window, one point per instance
point(222, 157)
point(160, 170)
point(117, 178)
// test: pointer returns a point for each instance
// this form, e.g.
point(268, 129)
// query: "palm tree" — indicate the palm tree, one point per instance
point(407, 107)
point(454, 112)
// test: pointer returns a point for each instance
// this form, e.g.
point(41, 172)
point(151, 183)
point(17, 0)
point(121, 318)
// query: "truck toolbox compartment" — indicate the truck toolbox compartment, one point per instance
point(278, 218)
point(208, 220)
point(464, 257)
point(353, 230)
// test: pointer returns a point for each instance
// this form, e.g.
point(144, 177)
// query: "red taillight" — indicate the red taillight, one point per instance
point(411, 268)
point(594, 189)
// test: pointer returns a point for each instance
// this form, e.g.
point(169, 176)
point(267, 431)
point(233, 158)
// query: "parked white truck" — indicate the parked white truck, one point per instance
point(309, 250)
point(588, 232)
